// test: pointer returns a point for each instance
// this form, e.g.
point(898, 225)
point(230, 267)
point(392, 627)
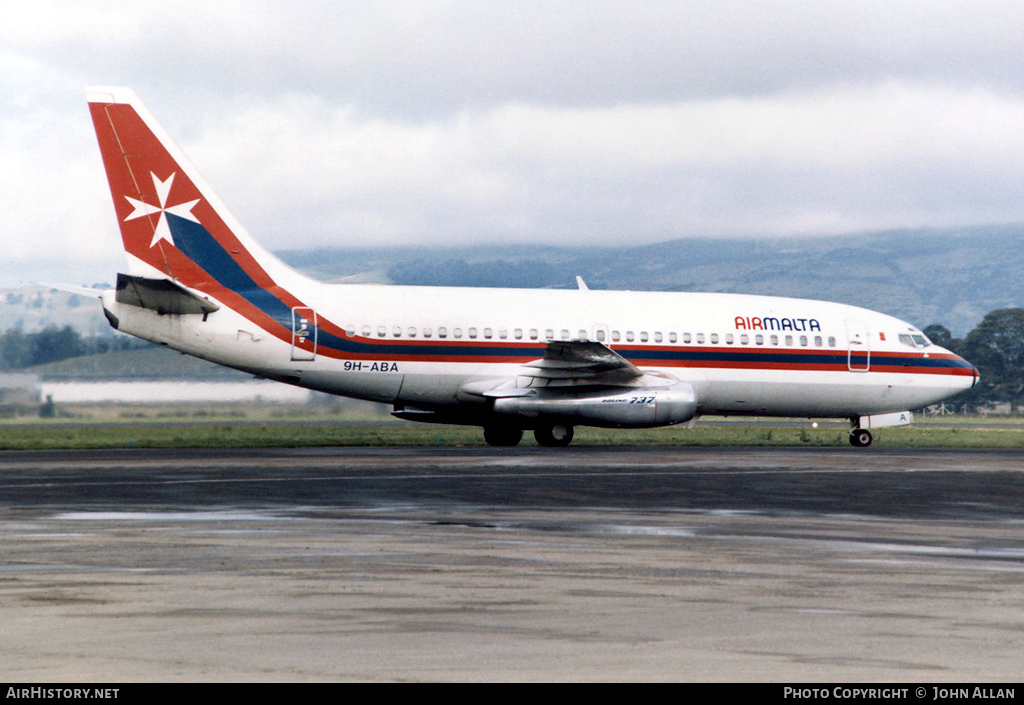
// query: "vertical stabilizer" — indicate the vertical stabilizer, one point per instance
point(172, 224)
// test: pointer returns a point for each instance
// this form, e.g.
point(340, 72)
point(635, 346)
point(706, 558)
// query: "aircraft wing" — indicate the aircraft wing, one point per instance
point(569, 363)
point(579, 362)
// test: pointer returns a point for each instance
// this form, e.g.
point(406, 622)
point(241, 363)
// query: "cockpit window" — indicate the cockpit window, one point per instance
point(915, 340)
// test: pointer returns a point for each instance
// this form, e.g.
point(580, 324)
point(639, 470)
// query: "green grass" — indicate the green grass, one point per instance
point(221, 434)
point(232, 433)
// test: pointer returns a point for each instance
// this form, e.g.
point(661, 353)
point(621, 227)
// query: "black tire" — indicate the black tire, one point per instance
point(554, 436)
point(503, 436)
point(860, 438)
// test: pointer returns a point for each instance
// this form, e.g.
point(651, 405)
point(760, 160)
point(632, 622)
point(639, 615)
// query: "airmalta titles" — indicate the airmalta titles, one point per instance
point(772, 323)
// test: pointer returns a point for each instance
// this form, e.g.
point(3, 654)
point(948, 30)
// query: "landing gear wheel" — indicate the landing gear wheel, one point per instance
point(505, 436)
point(554, 436)
point(860, 438)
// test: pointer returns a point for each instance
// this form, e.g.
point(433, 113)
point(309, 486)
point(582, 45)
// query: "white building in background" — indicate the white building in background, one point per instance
point(173, 391)
point(18, 388)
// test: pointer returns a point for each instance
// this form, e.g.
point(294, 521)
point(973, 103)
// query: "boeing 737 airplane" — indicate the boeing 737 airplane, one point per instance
point(506, 360)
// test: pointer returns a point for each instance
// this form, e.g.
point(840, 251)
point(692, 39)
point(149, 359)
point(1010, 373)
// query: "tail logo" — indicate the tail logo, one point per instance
point(162, 231)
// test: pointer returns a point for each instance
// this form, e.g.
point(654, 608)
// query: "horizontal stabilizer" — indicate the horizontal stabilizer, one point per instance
point(78, 290)
point(160, 295)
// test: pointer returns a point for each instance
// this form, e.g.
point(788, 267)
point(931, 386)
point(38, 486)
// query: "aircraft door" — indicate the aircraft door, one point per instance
point(303, 334)
point(859, 356)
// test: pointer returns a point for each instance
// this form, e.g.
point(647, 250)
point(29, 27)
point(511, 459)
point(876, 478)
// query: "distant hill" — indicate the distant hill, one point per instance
point(153, 363)
point(952, 277)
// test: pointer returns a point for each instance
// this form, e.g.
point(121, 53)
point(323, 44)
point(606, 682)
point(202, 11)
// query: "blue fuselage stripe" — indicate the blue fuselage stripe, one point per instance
point(196, 242)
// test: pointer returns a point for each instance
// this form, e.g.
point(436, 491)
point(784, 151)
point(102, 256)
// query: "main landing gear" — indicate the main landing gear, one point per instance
point(860, 438)
point(506, 436)
point(552, 436)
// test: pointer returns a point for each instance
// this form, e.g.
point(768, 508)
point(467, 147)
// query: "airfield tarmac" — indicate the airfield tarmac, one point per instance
point(581, 564)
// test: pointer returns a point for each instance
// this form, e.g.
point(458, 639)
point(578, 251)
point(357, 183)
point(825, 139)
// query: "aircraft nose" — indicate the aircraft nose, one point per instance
point(975, 375)
point(962, 368)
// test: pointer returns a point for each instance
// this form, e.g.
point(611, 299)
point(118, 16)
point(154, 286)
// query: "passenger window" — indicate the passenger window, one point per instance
point(728, 339)
point(412, 332)
point(643, 336)
point(600, 335)
point(629, 336)
point(615, 336)
point(759, 339)
point(831, 341)
point(582, 335)
point(366, 330)
point(817, 341)
point(427, 332)
point(672, 338)
point(789, 340)
point(472, 332)
point(803, 340)
point(700, 339)
point(502, 333)
point(442, 332)
point(382, 332)
point(565, 334)
point(714, 338)
point(533, 334)
point(517, 334)
point(744, 339)
point(686, 338)
point(549, 334)
point(775, 340)
point(457, 332)
point(657, 337)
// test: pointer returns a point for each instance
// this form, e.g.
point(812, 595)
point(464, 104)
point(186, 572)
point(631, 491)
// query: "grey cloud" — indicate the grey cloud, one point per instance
point(358, 122)
point(419, 58)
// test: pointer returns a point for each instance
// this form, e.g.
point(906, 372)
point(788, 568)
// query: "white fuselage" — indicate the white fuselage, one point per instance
point(419, 346)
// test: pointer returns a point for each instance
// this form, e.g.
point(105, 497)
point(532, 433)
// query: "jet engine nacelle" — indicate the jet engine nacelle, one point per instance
point(642, 407)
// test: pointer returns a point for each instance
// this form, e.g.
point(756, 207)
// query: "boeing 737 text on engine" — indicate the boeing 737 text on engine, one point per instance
point(505, 360)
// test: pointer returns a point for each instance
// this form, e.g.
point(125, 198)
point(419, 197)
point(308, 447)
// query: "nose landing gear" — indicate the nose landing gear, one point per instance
point(860, 438)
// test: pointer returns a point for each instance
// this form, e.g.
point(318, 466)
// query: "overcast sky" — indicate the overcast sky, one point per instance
point(374, 123)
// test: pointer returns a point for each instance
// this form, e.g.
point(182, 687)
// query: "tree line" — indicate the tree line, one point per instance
point(19, 349)
point(995, 347)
